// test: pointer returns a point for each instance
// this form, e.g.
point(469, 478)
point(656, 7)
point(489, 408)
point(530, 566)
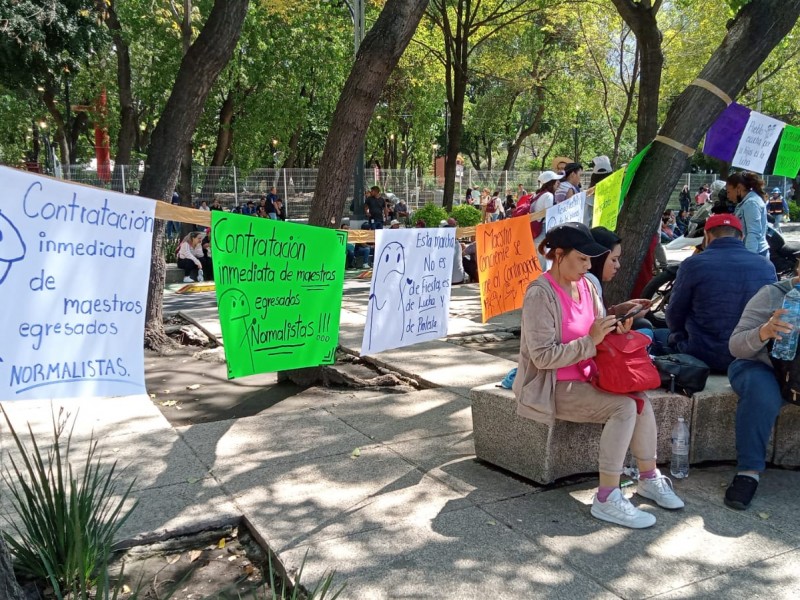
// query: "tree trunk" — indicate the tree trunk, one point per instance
point(377, 57)
point(9, 588)
point(641, 18)
point(756, 30)
point(222, 149)
point(48, 97)
point(524, 133)
point(199, 69)
point(127, 117)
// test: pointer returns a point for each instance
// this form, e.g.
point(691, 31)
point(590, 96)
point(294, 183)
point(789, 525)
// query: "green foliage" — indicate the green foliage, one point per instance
point(67, 522)
point(794, 211)
point(320, 591)
point(466, 215)
point(41, 39)
point(431, 214)
point(171, 249)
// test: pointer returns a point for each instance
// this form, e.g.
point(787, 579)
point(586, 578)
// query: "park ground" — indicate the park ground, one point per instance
point(382, 484)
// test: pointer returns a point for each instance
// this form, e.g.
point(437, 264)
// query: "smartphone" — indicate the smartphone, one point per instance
point(633, 312)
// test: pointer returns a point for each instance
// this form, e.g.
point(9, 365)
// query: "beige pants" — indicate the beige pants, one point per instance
point(579, 402)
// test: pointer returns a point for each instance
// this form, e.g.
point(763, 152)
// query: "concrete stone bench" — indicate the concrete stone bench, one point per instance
point(545, 453)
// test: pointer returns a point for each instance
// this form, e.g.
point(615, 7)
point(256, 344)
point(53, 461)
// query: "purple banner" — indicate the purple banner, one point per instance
point(723, 137)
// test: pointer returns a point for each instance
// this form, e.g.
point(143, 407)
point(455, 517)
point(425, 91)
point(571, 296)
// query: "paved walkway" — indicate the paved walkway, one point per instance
point(385, 488)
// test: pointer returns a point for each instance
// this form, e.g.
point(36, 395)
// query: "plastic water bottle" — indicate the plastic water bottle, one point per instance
point(786, 347)
point(632, 468)
point(199, 275)
point(679, 466)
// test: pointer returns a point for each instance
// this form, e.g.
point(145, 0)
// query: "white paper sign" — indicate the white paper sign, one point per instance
point(74, 271)
point(409, 299)
point(569, 211)
point(758, 139)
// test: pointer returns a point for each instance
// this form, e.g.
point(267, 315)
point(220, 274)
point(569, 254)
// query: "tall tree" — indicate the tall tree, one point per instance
point(466, 26)
point(377, 56)
point(640, 15)
point(200, 67)
point(757, 28)
point(126, 139)
point(43, 44)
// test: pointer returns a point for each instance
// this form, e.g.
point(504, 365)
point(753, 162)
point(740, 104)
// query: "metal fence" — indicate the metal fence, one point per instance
point(233, 187)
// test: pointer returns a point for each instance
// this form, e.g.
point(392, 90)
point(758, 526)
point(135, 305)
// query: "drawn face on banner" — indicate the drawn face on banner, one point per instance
point(391, 266)
point(12, 247)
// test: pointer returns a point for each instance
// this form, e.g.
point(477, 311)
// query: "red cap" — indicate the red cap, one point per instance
point(722, 220)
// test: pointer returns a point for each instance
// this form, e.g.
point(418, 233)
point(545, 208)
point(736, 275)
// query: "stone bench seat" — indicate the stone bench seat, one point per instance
point(544, 453)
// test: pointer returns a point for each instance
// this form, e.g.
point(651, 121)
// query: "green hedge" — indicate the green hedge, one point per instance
point(466, 215)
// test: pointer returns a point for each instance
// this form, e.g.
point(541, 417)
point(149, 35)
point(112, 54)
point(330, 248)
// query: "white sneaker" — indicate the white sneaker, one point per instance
point(659, 490)
point(618, 509)
point(366, 265)
point(188, 280)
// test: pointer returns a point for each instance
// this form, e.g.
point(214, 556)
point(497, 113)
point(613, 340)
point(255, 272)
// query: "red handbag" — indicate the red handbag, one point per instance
point(623, 364)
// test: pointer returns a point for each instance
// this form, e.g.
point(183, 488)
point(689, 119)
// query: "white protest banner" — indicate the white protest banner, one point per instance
point(409, 298)
point(569, 211)
point(760, 135)
point(74, 272)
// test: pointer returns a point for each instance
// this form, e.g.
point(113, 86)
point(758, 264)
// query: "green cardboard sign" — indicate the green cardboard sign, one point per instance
point(630, 173)
point(787, 162)
point(279, 292)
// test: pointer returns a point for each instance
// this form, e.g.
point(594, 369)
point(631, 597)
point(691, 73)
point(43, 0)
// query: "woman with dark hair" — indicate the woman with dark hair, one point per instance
point(570, 182)
point(605, 267)
point(562, 324)
point(746, 190)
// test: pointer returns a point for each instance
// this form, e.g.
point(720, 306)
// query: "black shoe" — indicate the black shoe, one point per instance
point(740, 492)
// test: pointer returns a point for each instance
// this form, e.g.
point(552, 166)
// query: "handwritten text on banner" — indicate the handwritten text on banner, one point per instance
point(758, 139)
point(74, 271)
point(506, 264)
point(279, 292)
point(409, 298)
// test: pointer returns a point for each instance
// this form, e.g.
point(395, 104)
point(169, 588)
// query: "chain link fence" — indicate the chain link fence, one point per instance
point(233, 187)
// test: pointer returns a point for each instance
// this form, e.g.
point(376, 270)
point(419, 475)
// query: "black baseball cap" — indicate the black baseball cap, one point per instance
point(574, 236)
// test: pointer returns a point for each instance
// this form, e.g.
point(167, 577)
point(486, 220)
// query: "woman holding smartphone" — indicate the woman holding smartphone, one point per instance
point(562, 323)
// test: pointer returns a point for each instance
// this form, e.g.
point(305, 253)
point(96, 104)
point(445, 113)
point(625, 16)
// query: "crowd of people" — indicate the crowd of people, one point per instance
point(724, 309)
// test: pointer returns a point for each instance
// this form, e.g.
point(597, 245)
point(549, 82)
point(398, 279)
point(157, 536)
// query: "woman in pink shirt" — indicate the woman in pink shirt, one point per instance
point(562, 324)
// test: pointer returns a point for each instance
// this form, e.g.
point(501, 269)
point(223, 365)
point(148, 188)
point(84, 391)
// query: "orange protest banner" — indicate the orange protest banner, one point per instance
point(507, 263)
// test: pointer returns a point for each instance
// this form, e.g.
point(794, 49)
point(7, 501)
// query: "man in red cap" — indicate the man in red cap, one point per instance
point(710, 293)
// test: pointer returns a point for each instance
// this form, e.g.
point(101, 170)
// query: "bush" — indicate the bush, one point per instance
point(431, 214)
point(67, 522)
point(466, 215)
point(794, 211)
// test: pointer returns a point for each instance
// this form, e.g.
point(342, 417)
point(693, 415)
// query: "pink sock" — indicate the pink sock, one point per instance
point(651, 474)
point(603, 493)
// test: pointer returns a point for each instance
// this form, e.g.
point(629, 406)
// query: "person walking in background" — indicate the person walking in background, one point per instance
point(374, 205)
point(684, 198)
point(777, 207)
point(702, 196)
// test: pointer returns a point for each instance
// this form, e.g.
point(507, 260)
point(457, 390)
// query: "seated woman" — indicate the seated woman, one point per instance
point(753, 379)
point(562, 324)
point(188, 258)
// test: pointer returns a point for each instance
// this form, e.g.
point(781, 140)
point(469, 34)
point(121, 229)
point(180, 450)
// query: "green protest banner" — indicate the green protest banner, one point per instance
point(630, 173)
point(607, 200)
point(279, 292)
point(787, 162)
